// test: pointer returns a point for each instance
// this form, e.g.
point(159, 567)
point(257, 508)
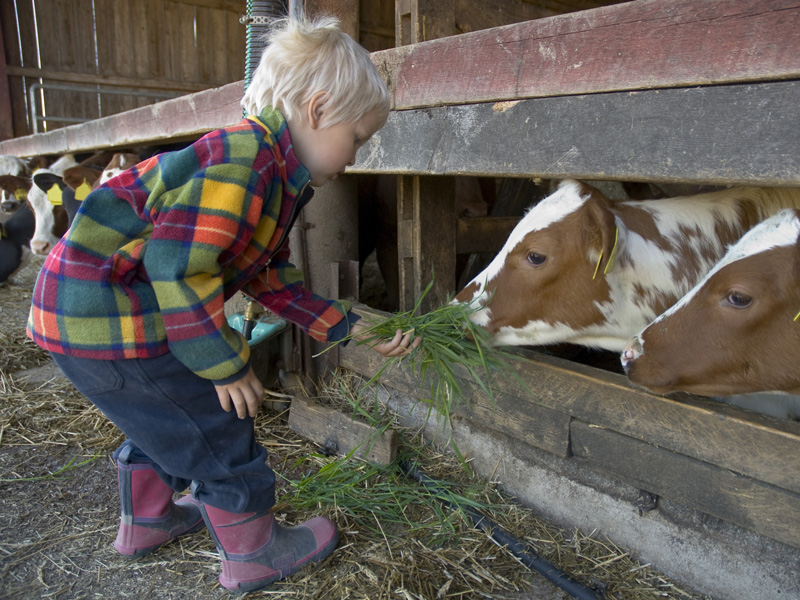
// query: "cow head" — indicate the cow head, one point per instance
point(51, 217)
point(548, 282)
point(738, 330)
point(13, 192)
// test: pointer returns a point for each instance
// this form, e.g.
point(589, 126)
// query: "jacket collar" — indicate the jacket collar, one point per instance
point(294, 174)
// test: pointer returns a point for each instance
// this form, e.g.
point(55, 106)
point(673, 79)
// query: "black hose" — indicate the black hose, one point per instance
point(503, 538)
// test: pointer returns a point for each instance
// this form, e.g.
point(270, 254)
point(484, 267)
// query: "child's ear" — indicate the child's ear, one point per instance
point(315, 108)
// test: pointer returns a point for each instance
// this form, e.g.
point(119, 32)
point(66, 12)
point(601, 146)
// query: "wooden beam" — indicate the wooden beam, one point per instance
point(426, 240)
point(341, 434)
point(91, 79)
point(759, 447)
point(720, 134)
point(6, 115)
point(629, 46)
point(173, 120)
point(741, 500)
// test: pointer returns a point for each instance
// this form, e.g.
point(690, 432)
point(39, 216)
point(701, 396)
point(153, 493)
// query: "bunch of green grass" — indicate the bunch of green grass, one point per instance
point(383, 500)
point(452, 348)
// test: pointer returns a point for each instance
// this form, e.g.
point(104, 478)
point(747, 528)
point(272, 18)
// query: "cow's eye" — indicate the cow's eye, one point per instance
point(739, 299)
point(536, 259)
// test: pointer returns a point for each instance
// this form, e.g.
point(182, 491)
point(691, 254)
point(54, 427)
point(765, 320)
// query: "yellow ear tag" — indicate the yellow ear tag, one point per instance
point(82, 191)
point(610, 263)
point(797, 316)
point(20, 194)
point(54, 195)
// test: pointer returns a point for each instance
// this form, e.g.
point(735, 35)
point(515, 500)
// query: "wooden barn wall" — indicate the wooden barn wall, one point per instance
point(156, 46)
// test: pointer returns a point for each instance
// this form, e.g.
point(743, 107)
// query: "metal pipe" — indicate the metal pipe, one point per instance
point(85, 89)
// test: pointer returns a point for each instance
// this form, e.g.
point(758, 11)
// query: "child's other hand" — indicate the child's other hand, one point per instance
point(398, 346)
point(245, 393)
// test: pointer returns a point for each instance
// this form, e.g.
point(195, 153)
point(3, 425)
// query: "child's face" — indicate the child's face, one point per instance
point(327, 151)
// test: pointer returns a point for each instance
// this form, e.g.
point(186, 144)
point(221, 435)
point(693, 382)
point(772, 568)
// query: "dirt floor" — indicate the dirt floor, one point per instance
point(59, 514)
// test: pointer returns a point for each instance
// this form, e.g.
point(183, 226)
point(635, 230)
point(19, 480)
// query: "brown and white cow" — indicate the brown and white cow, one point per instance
point(51, 220)
point(738, 330)
point(584, 270)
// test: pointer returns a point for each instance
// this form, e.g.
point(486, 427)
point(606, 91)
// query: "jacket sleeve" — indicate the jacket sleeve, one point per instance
point(279, 287)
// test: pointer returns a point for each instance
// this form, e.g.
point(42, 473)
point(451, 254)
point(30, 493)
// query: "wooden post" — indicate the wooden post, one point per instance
point(422, 20)
point(426, 239)
point(426, 222)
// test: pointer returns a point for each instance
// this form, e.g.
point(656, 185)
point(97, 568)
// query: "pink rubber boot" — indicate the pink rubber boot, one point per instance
point(148, 516)
point(256, 551)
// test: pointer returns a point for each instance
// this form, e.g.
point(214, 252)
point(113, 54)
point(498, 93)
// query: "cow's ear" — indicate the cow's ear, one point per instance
point(44, 181)
point(601, 228)
point(76, 176)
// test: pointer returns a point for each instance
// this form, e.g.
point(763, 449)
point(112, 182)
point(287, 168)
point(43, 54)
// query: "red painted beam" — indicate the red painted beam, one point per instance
point(638, 45)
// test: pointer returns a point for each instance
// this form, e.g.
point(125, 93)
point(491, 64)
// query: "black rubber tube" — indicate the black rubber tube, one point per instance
point(502, 537)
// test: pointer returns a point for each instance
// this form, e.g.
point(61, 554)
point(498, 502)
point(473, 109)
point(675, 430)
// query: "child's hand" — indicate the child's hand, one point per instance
point(245, 393)
point(399, 345)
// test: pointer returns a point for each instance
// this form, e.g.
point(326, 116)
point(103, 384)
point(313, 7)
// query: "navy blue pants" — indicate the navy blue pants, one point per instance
point(174, 420)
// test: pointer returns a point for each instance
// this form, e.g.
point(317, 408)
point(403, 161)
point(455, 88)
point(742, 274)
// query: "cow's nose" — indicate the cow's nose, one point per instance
point(41, 248)
point(633, 350)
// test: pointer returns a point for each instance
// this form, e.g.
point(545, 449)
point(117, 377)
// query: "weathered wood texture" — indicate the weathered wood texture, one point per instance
point(716, 134)
point(175, 46)
point(685, 134)
point(631, 46)
point(341, 434)
point(184, 118)
point(733, 464)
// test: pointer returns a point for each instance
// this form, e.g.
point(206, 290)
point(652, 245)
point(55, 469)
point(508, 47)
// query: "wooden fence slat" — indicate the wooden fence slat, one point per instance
point(531, 423)
point(760, 447)
point(722, 134)
point(750, 444)
point(630, 46)
point(740, 500)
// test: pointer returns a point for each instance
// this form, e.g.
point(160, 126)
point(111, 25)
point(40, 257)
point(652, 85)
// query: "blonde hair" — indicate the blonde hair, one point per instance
point(303, 57)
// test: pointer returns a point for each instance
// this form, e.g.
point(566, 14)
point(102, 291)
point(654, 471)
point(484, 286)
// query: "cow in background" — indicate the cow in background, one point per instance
point(76, 182)
point(15, 236)
point(584, 270)
point(51, 220)
point(735, 332)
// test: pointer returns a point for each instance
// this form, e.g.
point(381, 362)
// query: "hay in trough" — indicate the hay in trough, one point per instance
point(59, 510)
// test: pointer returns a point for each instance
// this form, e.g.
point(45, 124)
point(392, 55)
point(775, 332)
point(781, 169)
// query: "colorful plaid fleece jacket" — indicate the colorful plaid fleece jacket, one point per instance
point(155, 252)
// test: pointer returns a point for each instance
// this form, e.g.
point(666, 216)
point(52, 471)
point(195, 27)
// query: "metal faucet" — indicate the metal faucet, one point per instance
point(252, 312)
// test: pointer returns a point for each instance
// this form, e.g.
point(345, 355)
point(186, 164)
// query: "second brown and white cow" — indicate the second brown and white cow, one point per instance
point(584, 270)
point(738, 330)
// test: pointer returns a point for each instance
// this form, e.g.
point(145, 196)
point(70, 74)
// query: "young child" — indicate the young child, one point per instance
point(130, 302)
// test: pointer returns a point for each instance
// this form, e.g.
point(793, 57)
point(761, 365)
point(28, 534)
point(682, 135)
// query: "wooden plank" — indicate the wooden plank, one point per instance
point(483, 234)
point(474, 16)
point(340, 433)
point(422, 20)
point(6, 114)
point(750, 444)
point(754, 445)
point(426, 240)
point(629, 46)
point(762, 508)
point(529, 422)
point(182, 118)
point(83, 78)
point(720, 134)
